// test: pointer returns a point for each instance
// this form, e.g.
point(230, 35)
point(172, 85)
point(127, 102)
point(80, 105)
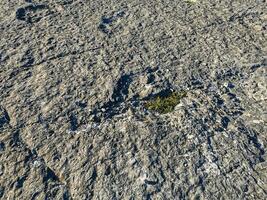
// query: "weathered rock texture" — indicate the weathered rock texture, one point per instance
point(74, 76)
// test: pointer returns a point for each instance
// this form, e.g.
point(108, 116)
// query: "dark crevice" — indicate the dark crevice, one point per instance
point(20, 182)
point(66, 2)
point(50, 175)
point(28, 59)
point(106, 22)
point(225, 121)
point(4, 117)
point(24, 14)
point(119, 95)
point(73, 123)
point(103, 28)
point(35, 195)
point(121, 90)
point(66, 195)
point(2, 191)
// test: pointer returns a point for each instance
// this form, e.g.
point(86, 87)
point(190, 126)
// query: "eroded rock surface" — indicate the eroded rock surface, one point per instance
point(74, 78)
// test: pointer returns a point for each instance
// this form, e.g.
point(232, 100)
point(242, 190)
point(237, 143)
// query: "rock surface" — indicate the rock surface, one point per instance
point(74, 76)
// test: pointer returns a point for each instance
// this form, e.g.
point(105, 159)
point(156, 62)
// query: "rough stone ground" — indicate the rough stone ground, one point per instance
point(74, 77)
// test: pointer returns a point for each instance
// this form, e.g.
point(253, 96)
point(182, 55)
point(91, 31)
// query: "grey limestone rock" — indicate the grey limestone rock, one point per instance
point(74, 79)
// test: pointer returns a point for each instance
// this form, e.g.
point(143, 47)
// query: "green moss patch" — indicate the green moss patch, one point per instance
point(165, 104)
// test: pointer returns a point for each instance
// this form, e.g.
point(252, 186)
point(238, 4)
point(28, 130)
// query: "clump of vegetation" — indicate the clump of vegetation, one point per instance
point(165, 104)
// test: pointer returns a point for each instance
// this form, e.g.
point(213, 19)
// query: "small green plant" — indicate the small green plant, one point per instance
point(165, 104)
